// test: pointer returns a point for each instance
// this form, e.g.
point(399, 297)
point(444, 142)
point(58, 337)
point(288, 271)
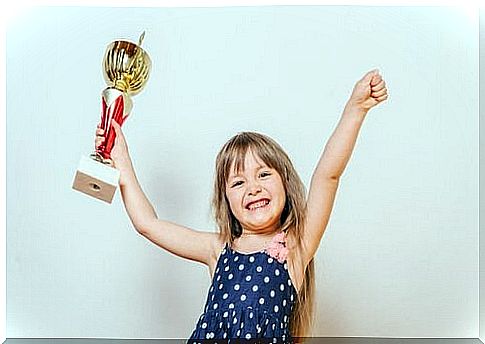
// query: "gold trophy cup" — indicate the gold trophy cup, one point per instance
point(126, 67)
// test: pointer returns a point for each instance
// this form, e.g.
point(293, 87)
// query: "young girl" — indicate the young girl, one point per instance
point(261, 259)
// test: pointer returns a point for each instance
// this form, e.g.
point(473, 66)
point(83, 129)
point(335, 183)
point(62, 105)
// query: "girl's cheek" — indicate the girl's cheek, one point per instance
point(232, 198)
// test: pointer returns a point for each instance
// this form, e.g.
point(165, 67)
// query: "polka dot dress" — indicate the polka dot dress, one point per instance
point(251, 296)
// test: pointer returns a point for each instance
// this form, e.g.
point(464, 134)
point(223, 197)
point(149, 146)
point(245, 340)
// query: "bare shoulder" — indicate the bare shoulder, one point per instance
point(217, 245)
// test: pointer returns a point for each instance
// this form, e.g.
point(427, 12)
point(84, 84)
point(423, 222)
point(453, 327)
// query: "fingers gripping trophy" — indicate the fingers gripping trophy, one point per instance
point(126, 67)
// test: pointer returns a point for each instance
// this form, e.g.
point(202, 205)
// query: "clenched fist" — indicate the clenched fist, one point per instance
point(368, 92)
point(119, 154)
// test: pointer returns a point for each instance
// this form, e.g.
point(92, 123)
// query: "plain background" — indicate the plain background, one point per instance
point(400, 254)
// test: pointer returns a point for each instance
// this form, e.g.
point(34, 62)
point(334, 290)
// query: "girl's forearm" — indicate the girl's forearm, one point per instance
point(137, 205)
point(339, 147)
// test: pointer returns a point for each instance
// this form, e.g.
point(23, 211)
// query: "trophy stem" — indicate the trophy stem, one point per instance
point(121, 85)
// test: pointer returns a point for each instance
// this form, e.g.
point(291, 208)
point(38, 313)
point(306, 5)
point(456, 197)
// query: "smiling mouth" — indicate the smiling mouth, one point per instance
point(258, 204)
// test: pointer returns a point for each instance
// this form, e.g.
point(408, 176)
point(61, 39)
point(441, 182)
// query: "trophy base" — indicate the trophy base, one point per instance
point(96, 179)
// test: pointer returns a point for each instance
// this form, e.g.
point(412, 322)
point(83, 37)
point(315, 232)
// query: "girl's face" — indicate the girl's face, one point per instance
point(256, 195)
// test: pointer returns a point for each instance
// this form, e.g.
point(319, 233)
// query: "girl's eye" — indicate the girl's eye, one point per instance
point(264, 174)
point(239, 182)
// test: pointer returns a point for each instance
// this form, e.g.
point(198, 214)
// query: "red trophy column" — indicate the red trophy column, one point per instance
point(115, 105)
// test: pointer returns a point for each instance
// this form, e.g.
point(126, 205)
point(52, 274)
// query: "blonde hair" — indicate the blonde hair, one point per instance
point(292, 217)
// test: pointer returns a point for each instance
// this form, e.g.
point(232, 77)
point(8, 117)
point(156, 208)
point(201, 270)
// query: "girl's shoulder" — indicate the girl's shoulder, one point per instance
point(217, 245)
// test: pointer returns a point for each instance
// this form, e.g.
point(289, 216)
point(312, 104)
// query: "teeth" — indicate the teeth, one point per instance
point(259, 204)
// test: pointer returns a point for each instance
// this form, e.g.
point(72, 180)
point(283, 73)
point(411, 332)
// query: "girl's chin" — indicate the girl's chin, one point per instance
point(260, 219)
point(261, 224)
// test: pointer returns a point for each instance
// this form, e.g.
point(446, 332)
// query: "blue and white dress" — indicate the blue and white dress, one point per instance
point(251, 297)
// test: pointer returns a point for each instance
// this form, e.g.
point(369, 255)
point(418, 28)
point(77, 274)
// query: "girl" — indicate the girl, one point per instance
point(261, 259)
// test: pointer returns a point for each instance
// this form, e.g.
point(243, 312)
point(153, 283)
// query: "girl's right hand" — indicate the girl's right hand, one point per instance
point(368, 91)
point(119, 153)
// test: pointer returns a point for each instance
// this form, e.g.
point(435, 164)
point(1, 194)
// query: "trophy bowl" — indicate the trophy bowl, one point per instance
point(126, 66)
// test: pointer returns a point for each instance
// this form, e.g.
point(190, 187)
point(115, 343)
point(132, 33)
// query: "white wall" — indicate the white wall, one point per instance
point(400, 255)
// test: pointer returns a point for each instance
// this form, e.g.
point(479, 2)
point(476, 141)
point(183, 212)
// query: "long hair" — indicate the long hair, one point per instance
point(292, 219)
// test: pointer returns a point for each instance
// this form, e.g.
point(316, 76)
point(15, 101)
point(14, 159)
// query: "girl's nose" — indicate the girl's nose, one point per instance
point(254, 188)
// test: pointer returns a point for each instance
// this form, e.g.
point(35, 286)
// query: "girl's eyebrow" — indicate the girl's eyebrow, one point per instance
point(232, 176)
point(239, 174)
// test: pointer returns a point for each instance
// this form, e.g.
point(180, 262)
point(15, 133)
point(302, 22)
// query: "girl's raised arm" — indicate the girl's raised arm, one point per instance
point(367, 93)
point(181, 241)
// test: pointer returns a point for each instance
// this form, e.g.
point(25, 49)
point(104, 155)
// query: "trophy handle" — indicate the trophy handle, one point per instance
point(115, 105)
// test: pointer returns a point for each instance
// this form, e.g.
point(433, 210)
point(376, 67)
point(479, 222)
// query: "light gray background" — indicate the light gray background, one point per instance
point(400, 254)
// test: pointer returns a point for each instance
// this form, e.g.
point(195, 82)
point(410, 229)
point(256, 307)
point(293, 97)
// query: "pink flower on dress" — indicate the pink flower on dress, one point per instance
point(277, 247)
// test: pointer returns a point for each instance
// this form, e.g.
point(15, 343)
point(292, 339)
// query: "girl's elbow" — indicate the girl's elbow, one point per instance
point(141, 230)
point(144, 228)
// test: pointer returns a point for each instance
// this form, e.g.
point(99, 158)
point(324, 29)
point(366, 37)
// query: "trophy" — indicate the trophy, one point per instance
point(125, 69)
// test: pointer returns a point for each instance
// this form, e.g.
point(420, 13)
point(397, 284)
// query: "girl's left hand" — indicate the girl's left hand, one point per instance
point(368, 91)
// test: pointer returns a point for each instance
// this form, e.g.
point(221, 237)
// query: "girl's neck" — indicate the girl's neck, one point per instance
point(256, 234)
point(266, 232)
point(253, 241)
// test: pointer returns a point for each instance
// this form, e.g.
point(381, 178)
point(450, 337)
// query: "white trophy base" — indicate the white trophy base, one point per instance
point(96, 179)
